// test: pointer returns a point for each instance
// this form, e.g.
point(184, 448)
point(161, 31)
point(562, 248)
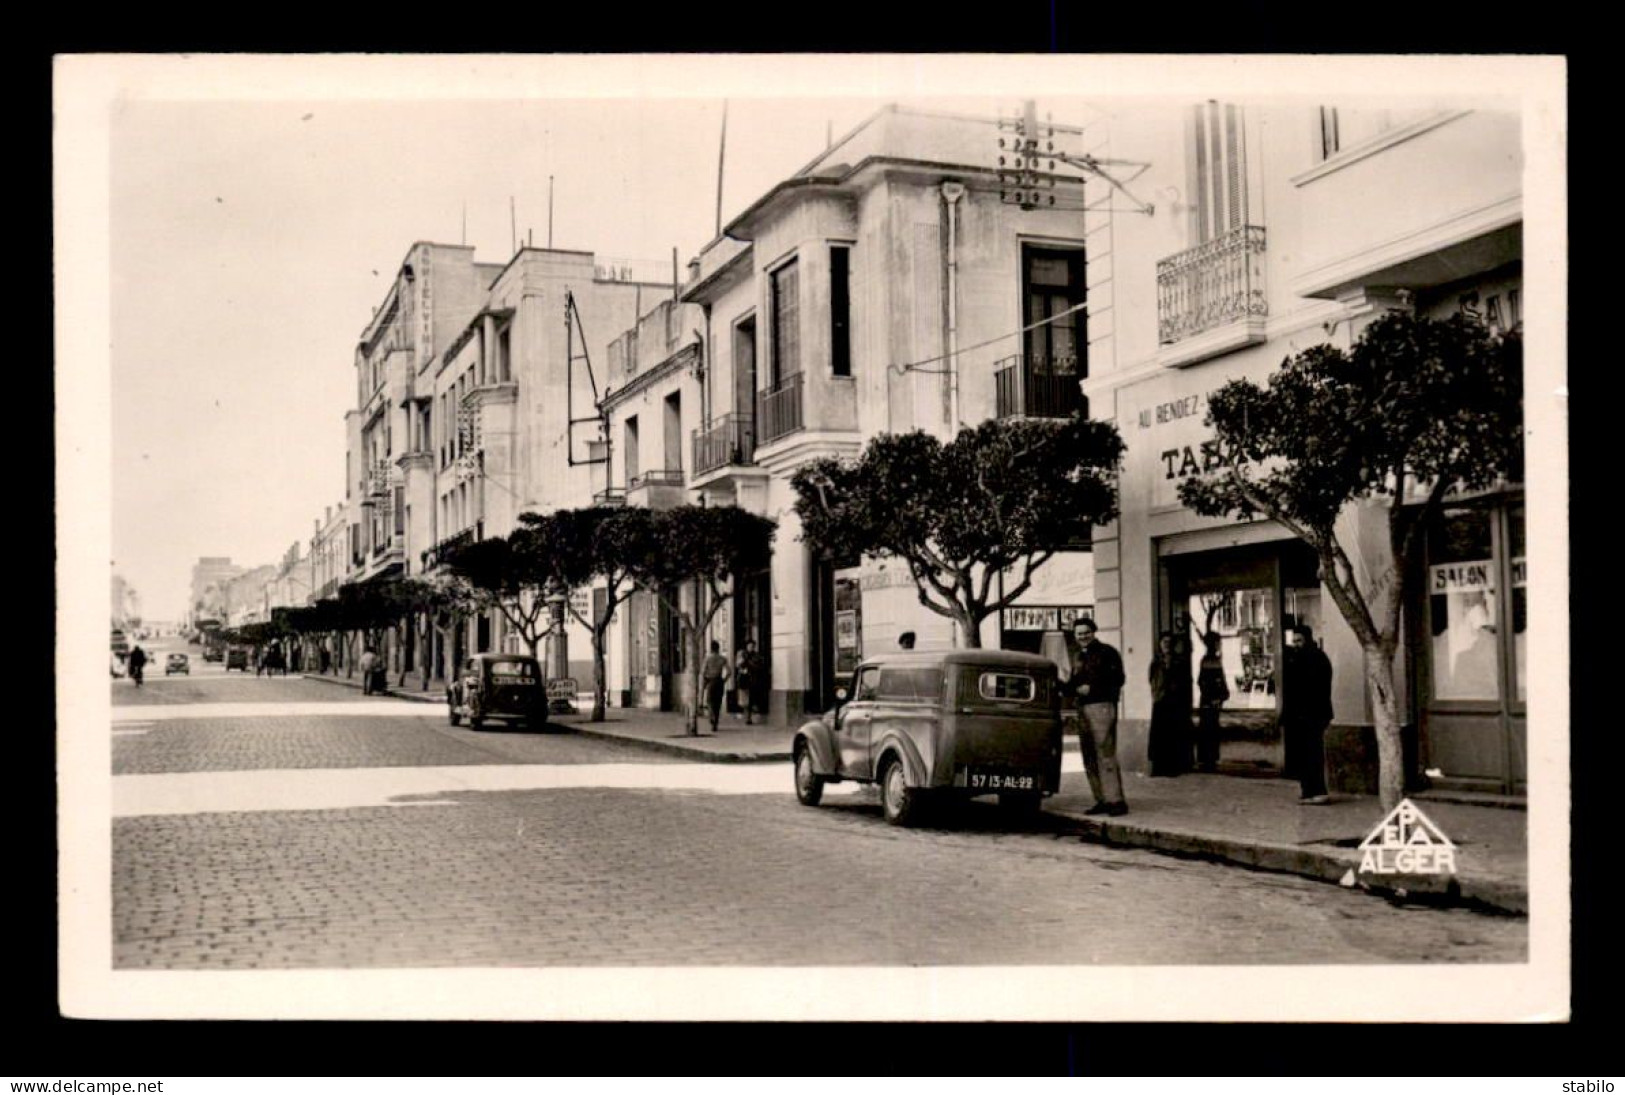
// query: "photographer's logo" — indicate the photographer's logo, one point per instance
point(1406, 842)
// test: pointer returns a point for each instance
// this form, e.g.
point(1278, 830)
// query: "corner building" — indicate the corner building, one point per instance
point(1279, 227)
point(881, 289)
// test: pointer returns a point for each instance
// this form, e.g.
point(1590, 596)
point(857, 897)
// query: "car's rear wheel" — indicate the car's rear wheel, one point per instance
point(899, 802)
point(809, 784)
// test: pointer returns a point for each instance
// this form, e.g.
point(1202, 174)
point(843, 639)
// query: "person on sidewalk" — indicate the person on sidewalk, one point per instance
point(1212, 691)
point(747, 678)
point(369, 663)
point(1306, 711)
point(713, 676)
point(1093, 686)
point(1169, 745)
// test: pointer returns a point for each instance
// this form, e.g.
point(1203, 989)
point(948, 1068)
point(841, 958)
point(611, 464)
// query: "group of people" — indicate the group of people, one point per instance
point(749, 673)
point(271, 661)
point(1095, 682)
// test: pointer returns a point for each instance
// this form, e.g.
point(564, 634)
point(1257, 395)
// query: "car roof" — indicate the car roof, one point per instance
point(1014, 659)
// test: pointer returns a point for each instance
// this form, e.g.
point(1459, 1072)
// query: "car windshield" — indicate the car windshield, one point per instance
point(512, 672)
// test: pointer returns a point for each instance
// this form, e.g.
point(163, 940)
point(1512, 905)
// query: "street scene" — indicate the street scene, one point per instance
point(385, 838)
point(1006, 524)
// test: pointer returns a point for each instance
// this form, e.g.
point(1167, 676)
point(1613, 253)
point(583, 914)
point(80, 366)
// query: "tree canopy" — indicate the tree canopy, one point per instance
point(1002, 495)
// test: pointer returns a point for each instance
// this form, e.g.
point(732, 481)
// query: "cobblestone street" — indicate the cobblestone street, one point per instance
point(593, 853)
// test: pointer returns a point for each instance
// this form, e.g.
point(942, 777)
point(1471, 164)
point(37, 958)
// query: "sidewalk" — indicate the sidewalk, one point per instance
point(1253, 822)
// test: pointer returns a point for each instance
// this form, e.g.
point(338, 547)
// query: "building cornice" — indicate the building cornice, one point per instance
point(686, 355)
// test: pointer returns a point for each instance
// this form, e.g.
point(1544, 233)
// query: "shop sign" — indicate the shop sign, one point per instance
point(1469, 577)
point(846, 630)
point(1042, 617)
point(581, 603)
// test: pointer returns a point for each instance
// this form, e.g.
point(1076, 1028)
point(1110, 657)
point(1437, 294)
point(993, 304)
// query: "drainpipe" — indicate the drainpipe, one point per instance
point(951, 193)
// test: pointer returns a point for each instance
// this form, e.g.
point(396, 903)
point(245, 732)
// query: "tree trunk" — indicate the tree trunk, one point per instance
point(600, 685)
point(970, 628)
point(1379, 679)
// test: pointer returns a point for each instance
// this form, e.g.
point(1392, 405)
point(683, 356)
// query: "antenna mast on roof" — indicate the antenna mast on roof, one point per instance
point(722, 149)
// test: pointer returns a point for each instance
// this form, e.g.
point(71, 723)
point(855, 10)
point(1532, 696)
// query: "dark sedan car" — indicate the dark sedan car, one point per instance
point(498, 686)
point(177, 663)
point(237, 658)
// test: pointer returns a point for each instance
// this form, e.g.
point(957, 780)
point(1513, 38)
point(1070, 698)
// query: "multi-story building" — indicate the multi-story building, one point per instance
point(1278, 227)
point(501, 419)
point(329, 556)
point(209, 573)
point(653, 405)
point(890, 285)
point(290, 586)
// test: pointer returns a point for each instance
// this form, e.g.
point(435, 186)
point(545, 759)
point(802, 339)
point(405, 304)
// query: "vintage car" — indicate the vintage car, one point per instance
point(956, 723)
point(237, 658)
point(177, 663)
point(498, 686)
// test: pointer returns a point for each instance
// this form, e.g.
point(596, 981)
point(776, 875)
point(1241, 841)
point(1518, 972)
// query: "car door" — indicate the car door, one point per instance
point(854, 724)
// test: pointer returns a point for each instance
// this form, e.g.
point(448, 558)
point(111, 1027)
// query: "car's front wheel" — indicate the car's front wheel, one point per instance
point(451, 713)
point(809, 784)
point(899, 802)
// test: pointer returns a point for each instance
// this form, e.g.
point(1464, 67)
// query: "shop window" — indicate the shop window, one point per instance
point(1462, 609)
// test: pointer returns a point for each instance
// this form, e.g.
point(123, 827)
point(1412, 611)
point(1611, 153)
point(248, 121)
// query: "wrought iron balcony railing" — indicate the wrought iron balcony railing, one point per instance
point(779, 410)
point(1212, 284)
point(730, 439)
point(1033, 386)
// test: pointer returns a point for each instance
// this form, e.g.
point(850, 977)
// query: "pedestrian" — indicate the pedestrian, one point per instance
point(298, 657)
point(1093, 685)
point(260, 656)
point(1306, 711)
point(369, 663)
point(137, 661)
point(1212, 691)
point(713, 675)
point(1169, 746)
point(326, 657)
point(905, 641)
point(275, 661)
point(748, 675)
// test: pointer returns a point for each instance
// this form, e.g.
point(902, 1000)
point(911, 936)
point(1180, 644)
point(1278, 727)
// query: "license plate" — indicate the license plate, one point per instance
point(1001, 779)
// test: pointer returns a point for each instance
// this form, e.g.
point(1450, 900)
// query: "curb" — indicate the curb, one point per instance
point(676, 749)
point(1290, 859)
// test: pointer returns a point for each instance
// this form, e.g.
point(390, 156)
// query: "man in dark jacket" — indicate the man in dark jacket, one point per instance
point(1093, 686)
point(1306, 711)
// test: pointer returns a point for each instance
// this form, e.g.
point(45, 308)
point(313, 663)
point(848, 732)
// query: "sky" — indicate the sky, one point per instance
point(257, 209)
point(250, 241)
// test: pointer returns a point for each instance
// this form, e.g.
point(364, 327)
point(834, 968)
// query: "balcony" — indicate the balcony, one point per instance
point(730, 440)
point(1211, 286)
point(1035, 386)
point(609, 496)
point(779, 410)
point(658, 489)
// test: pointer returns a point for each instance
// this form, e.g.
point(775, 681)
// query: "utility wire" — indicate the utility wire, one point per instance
point(915, 365)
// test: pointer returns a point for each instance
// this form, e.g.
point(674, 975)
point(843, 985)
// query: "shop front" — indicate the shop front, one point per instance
point(1468, 631)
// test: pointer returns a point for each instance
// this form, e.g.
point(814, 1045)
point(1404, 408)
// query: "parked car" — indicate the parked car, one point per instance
point(237, 658)
point(498, 686)
point(937, 725)
point(177, 663)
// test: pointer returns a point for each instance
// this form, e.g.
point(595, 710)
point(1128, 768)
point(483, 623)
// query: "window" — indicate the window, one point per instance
point(785, 307)
point(840, 311)
point(911, 685)
point(400, 510)
point(630, 455)
point(1462, 608)
point(504, 370)
point(867, 685)
point(1052, 286)
point(1341, 128)
point(1218, 170)
point(674, 431)
point(1007, 687)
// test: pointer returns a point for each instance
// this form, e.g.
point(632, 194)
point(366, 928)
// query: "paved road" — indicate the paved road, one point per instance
point(294, 825)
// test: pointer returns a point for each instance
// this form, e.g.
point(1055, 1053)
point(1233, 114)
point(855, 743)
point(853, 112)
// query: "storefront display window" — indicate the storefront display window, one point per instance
point(848, 622)
point(1462, 608)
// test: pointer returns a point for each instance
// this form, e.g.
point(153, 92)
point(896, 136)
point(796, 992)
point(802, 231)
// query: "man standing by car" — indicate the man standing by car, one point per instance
point(1094, 684)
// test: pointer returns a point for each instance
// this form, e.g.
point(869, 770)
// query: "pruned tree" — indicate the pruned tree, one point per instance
point(1001, 496)
point(701, 547)
point(1413, 410)
point(506, 574)
point(599, 544)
